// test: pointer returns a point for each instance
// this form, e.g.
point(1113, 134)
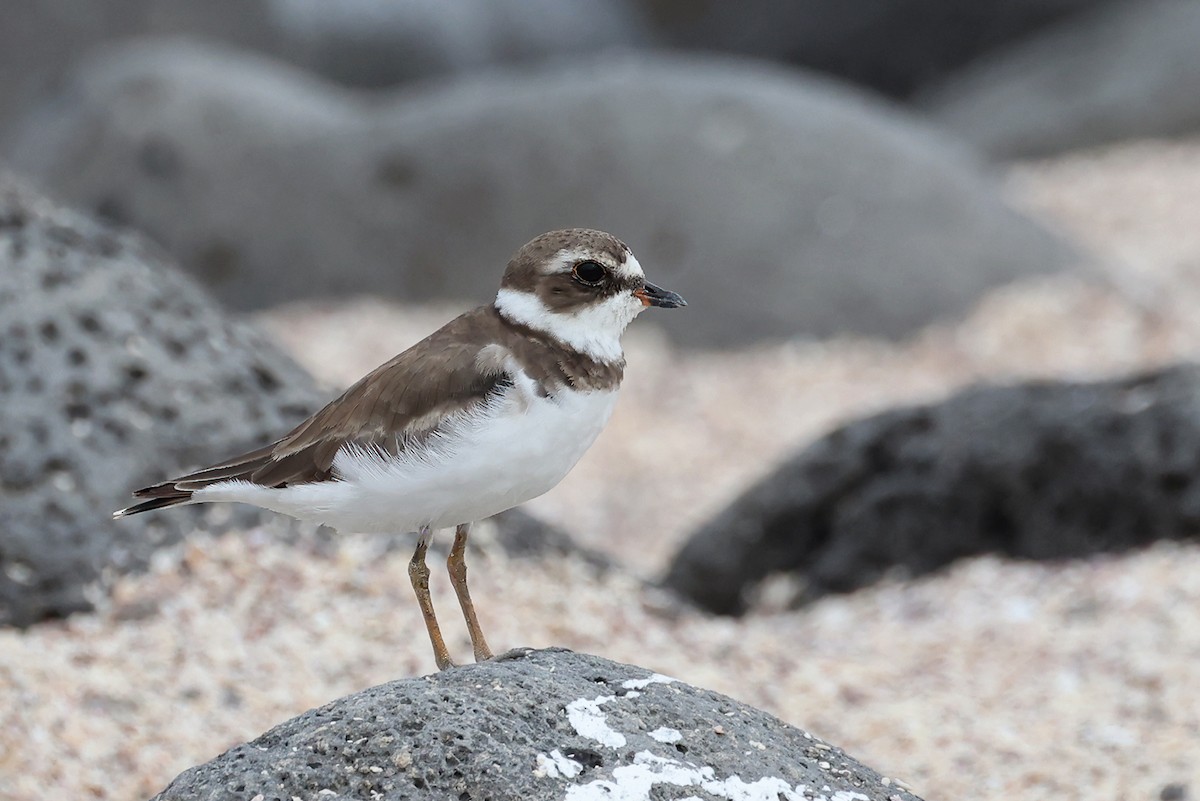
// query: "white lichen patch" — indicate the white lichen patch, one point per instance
point(665, 735)
point(588, 720)
point(641, 684)
point(555, 765)
point(635, 783)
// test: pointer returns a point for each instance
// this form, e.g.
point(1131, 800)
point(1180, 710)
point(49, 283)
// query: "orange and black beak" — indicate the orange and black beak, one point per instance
point(651, 295)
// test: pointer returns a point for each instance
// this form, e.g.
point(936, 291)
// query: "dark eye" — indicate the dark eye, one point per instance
point(589, 272)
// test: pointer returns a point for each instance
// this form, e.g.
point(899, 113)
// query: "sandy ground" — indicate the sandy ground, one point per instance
point(990, 681)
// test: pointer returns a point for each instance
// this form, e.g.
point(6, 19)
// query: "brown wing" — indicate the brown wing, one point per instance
point(394, 406)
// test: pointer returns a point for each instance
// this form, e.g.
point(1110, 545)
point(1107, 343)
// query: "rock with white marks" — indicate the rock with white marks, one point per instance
point(515, 728)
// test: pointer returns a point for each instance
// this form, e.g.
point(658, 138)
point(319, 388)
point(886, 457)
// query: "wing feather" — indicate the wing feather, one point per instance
point(394, 407)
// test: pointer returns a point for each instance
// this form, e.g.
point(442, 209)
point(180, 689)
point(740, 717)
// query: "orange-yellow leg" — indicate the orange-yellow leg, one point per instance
point(456, 564)
point(418, 573)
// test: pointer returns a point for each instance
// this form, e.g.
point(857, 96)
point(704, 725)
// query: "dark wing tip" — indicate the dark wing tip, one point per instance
point(160, 501)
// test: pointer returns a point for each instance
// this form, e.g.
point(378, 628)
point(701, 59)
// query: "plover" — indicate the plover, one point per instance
point(488, 412)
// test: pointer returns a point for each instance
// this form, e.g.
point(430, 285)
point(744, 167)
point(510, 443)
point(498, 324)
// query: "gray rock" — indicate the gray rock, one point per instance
point(1122, 72)
point(41, 41)
point(115, 370)
point(892, 46)
point(535, 725)
point(1034, 471)
point(358, 42)
point(380, 43)
point(777, 204)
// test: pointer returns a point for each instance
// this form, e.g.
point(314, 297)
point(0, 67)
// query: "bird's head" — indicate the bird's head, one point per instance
point(580, 286)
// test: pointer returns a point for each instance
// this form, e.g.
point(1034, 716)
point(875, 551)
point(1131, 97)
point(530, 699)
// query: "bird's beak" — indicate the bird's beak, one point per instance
point(651, 295)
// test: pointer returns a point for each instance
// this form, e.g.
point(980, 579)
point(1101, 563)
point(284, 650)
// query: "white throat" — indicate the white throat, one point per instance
point(594, 330)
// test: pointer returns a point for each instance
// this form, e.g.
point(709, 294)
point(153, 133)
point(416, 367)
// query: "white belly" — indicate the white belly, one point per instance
point(515, 450)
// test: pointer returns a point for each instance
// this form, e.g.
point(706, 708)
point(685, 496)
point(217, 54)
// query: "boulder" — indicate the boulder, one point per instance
point(777, 204)
point(358, 42)
point(377, 43)
point(892, 46)
point(116, 370)
point(1122, 72)
point(533, 725)
point(1043, 470)
point(41, 42)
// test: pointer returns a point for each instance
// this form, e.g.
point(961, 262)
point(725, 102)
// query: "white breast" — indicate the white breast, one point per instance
point(515, 448)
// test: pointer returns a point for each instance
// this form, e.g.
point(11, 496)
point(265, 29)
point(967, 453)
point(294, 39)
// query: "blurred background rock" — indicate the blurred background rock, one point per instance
point(942, 259)
point(798, 205)
point(790, 204)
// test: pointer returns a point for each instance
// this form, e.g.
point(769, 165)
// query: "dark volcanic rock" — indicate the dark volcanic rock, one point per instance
point(893, 46)
point(535, 725)
point(1036, 471)
point(776, 204)
point(115, 371)
point(1123, 72)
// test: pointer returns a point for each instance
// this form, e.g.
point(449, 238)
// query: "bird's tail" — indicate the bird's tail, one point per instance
point(179, 490)
point(160, 496)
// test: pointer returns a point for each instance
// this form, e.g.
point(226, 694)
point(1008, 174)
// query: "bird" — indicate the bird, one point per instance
point(486, 413)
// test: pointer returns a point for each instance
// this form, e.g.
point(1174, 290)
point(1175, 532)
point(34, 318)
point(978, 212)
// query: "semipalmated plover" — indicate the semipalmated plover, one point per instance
point(488, 412)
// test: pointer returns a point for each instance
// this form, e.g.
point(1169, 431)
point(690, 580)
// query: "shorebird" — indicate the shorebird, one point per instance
point(489, 411)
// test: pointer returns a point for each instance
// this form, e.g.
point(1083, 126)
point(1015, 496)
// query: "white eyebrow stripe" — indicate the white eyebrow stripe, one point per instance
point(567, 258)
point(629, 268)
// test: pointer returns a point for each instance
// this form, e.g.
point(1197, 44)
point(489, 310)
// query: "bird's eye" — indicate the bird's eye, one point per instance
point(589, 272)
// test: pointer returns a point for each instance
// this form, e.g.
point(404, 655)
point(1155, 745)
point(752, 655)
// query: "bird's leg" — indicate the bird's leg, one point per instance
point(457, 565)
point(418, 573)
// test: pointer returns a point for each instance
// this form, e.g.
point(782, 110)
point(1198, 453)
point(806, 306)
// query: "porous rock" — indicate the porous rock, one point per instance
point(116, 371)
point(777, 204)
point(1043, 470)
point(893, 46)
point(1122, 72)
point(534, 725)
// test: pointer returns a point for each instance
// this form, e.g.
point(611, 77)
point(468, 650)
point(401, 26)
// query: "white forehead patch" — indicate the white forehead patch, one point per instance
point(631, 268)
